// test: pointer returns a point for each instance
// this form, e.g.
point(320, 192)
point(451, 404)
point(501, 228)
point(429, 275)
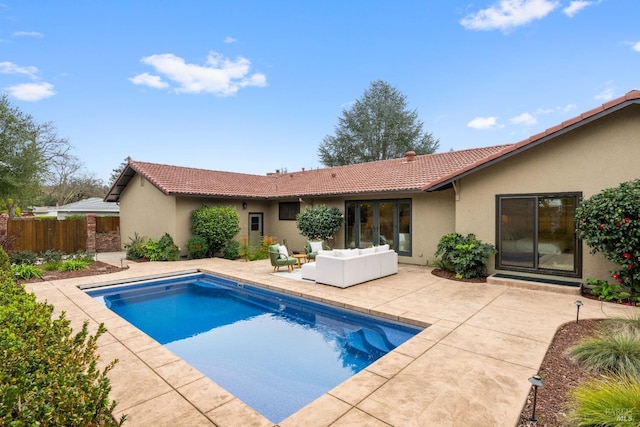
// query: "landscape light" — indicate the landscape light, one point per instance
point(578, 305)
point(536, 381)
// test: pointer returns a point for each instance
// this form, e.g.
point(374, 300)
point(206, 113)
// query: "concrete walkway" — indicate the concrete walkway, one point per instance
point(468, 368)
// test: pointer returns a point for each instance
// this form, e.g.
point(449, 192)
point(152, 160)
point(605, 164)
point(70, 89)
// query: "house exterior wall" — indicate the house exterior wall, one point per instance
point(596, 156)
point(433, 216)
point(145, 210)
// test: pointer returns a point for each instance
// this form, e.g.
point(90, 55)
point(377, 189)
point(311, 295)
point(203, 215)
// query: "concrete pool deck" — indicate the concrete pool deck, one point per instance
point(470, 367)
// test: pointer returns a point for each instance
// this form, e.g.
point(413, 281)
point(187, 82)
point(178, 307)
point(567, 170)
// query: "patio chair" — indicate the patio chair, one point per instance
point(279, 257)
point(313, 246)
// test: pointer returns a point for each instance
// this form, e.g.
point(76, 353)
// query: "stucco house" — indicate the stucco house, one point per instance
point(521, 197)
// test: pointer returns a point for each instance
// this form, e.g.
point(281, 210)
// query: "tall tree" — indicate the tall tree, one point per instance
point(378, 126)
point(27, 150)
point(115, 172)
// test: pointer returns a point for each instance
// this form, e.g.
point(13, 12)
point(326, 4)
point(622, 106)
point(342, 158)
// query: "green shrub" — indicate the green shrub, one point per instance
point(197, 247)
point(616, 352)
point(609, 222)
point(607, 291)
point(25, 271)
point(83, 256)
point(319, 222)
point(75, 217)
point(162, 249)
point(613, 401)
point(52, 266)
point(232, 250)
point(466, 256)
point(52, 255)
point(135, 247)
point(74, 264)
point(48, 376)
point(6, 275)
point(217, 224)
point(24, 257)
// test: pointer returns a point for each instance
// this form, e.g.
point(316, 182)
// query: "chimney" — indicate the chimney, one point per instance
point(410, 156)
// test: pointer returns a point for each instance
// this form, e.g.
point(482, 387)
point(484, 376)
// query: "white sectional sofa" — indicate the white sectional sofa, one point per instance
point(348, 267)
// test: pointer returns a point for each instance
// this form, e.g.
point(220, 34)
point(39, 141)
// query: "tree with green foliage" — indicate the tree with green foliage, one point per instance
point(378, 126)
point(217, 224)
point(319, 222)
point(27, 151)
point(609, 222)
point(115, 172)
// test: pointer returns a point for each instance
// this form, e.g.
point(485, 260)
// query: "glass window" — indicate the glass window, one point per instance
point(379, 222)
point(537, 233)
point(288, 211)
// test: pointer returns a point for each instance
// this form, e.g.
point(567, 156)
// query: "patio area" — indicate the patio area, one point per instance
point(469, 367)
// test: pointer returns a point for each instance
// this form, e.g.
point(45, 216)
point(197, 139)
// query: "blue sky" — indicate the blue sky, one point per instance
point(254, 86)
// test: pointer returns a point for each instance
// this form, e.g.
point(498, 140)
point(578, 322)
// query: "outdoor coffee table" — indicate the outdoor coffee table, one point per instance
point(301, 259)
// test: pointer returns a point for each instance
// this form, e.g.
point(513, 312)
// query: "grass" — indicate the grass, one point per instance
point(612, 401)
point(616, 352)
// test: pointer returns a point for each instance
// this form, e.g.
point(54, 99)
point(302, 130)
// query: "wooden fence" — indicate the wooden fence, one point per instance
point(68, 236)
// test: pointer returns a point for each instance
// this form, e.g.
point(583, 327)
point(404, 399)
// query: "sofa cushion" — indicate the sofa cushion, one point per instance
point(382, 248)
point(346, 253)
point(326, 252)
point(367, 251)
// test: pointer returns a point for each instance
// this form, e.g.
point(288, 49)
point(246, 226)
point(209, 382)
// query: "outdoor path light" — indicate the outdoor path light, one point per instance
point(578, 305)
point(536, 381)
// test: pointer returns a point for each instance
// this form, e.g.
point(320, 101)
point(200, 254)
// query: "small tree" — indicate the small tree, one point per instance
point(217, 224)
point(609, 222)
point(319, 222)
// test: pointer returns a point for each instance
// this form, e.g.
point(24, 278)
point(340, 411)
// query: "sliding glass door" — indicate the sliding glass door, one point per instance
point(379, 222)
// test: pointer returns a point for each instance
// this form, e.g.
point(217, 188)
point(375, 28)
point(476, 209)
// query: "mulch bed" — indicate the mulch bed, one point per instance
point(452, 276)
point(94, 269)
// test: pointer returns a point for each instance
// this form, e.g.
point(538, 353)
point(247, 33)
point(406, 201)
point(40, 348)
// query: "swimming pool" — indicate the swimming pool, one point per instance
point(275, 352)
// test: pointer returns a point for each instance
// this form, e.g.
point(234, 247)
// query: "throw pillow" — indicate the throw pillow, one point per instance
point(382, 248)
point(315, 246)
point(283, 251)
point(367, 251)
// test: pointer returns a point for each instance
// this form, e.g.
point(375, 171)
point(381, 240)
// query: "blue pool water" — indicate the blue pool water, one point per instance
point(275, 352)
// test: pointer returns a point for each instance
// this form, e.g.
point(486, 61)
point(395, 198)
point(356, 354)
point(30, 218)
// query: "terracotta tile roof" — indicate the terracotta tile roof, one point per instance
point(386, 176)
point(422, 173)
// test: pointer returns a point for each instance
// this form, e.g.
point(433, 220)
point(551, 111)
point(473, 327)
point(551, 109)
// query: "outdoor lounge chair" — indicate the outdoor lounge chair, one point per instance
point(313, 246)
point(279, 257)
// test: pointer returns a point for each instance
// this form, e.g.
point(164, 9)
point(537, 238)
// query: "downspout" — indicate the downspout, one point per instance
point(456, 189)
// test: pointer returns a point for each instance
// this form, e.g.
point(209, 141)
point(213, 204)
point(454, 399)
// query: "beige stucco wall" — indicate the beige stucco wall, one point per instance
point(594, 157)
point(433, 217)
point(145, 210)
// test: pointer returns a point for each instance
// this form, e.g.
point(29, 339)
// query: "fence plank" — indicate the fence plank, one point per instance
point(40, 235)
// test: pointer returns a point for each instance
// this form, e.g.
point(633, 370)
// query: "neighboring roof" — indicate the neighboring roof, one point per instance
point(90, 205)
point(429, 172)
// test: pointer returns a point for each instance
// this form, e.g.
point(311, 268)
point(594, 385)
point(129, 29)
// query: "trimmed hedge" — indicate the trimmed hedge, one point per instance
point(48, 376)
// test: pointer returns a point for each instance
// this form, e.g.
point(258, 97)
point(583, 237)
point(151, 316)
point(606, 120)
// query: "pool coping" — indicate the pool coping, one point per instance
point(470, 367)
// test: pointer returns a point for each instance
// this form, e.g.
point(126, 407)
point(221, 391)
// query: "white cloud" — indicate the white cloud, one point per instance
point(146, 79)
point(483, 122)
point(524, 119)
point(11, 68)
point(607, 93)
point(28, 34)
point(229, 40)
point(575, 7)
point(635, 46)
point(31, 91)
point(218, 75)
point(508, 14)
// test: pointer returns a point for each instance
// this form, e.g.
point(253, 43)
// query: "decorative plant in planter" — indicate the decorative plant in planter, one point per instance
point(319, 222)
point(609, 222)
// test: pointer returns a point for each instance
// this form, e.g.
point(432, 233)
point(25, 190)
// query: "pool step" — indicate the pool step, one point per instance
point(368, 342)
